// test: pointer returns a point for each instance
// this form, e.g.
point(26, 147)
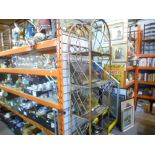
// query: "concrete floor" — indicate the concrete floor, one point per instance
point(144, 125)
point(4, 130)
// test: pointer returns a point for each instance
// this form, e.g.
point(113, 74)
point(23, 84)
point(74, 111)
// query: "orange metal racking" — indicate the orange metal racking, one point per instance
point(30, 97)
point(146, 97)
point(138, 49)
point(132, 68)
point(130, 84)
point(48, 46)
point(127, 85)
point(40, 72)
point(138, 68)
point(146, 82)
point(129, 68)
point(145, 55)
point(145, 68)
point(60, 77)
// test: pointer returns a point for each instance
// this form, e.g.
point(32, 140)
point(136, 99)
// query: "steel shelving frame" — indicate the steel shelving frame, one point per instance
point(59, 47)
point(131, 68)
point(140, 40)
point(82, 80)
point(48, 46)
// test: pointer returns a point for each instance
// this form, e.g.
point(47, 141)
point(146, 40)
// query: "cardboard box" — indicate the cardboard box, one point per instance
point(30, 130)
point(143, 106)
point(153, 108)
point(146, 108)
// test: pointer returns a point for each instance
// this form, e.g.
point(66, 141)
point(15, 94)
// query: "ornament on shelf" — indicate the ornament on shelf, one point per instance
point(8, 80)
point(30, 30)
point(3, 94)
point(15, 35)
point(19, 83)
point(44, 26)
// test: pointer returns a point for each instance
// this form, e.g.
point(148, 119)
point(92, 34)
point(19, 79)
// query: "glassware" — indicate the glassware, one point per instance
point(15, 35)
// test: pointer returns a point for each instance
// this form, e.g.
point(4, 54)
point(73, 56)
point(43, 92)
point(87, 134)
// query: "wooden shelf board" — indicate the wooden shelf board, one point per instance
point(146, 97)
point(42, 46)
point(145, 55)
point(130, 84)
point(146, 68)
point(27, 119)
point(146, 82)
point(30, 97)
point(41, 72)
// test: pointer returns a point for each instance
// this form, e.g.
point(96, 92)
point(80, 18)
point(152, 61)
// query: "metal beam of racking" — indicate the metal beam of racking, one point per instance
point(146, 97)
point(32, 98)
point(41, 72)
point(42, 46)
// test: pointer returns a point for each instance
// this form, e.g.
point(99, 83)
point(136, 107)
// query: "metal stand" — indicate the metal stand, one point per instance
point(90, 91)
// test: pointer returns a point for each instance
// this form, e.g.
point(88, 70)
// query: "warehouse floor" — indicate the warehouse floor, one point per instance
point(4, 130)
point(144, 125)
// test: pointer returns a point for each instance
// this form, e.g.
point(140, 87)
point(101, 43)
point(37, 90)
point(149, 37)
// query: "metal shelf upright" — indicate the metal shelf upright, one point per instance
point(48, 46)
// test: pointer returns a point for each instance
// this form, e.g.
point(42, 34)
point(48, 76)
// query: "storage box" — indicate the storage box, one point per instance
point(153, 108)
point(35, 93)
point(30, 130)
point(143, 106)
point(146, 108)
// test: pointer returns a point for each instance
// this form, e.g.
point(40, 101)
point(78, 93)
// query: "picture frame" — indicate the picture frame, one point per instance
point(114, 103)
point(119, 53)
point(116, 31)
point(127, 114)
point(117, 70)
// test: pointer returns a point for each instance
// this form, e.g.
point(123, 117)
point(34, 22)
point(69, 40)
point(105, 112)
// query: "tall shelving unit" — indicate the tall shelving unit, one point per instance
point(48, 46)
point(90, 93)
point(66, 121)
point(140, 42)
point(139, 39)
point(131, 37)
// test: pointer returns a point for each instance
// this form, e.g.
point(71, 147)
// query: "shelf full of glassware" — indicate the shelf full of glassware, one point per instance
point(32, 68)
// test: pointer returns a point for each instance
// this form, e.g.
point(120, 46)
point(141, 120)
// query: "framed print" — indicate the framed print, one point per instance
point(114, 105)
point(127, 114)
point(116, 31)
point(119, 53)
